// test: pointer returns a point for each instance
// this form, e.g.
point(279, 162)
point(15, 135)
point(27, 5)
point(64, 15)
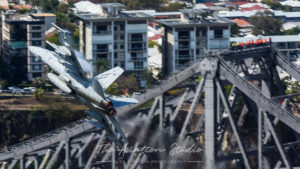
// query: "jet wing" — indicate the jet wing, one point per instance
point(112, 127)
point(122, 101)
point(84, 64)
point(107, 78)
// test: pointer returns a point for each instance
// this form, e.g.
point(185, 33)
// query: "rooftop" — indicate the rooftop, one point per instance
point(43, 15)
point(184, 22)
point(10, 16)
point(277, 38)
point(241, 22)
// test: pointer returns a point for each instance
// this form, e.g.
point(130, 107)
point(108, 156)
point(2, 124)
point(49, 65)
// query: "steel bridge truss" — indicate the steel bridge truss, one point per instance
point(239, 91)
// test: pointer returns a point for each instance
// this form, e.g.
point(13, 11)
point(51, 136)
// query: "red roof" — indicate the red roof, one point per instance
point(93, 1)
point(155, 37)
point(254, 7)
point(241, 22)
point(237, 3)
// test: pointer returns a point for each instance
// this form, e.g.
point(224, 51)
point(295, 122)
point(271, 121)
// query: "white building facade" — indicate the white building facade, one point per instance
point(117, 38)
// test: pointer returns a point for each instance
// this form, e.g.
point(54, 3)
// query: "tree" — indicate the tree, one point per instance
point(38, 82)
point(265, 23)
point(49, 5)
point(275, 5)
point(293, 31)
point(129, 83)
point(173, 7)
point(235, 30)
point(39, 93)
point(101, 65)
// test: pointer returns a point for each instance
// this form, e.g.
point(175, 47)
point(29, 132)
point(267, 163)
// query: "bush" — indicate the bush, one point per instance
point(39, 93)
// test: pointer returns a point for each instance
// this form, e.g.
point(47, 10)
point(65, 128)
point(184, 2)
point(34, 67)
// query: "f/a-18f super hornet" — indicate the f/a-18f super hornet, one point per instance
point(71, 72)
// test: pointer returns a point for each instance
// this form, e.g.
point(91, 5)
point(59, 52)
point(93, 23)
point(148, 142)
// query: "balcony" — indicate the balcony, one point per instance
point(98, 51)
point(102, 33)
point(138, 58)
point(184, 56)
point(136, 39)
point(138, 67)
point(137, 49)
point(16, 44)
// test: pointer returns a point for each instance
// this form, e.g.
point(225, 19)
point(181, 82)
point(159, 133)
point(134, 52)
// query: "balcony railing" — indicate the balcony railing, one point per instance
point(100, 51)
point(102, 32)
point(138, 67)
point(137, 49)
point(184, 56)
point(136, 39)
point(138, 58)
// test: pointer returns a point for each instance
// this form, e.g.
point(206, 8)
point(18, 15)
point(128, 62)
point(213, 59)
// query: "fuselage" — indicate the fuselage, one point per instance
point(71, 77)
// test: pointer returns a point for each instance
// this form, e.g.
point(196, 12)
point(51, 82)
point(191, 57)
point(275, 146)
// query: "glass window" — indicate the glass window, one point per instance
point(36, 35)
point(35, 75)
point(218, 33)
point(36, 43)
point(36, 67)
point(36, 27)
point(35, 59)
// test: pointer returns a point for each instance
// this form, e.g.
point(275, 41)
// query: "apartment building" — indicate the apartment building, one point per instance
point(18, 33)
point(185, 39)
point(117, 37)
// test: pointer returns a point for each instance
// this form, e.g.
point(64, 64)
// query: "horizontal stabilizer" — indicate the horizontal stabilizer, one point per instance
point(122, 101)
point(107, 78)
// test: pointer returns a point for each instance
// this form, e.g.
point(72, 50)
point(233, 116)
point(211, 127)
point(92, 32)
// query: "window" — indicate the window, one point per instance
point(115, 46)
point(204, 32)
point(121, 46)
point(218, 33)
point(115, 28)
point(36, 35)
point(36, 43)
point(138, 65)
point(100, 28)
point(35, 59)
point(36, 67)
point(121, 36)
point(102, 46)
point(36, 27)
point(35, 75)
point(122, 27)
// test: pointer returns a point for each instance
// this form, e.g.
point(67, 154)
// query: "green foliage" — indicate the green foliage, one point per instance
point(141, 4)
point(39, 94)
point(152, 43)
point(113, 89)
point(265, 23)
point(173, 7)
point(101, 66)
point(53, 39)
point(75, 38)
point(148, 76)
point(234, 30)
point(64, 21)
point(293, 31)
point(49, 5)
point(4, 83)
point(38, 82)
point(23, 10)
point(276, 5)
point(129, 83)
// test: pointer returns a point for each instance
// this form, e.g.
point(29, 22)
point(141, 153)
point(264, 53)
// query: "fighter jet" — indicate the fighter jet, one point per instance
point(73, 74)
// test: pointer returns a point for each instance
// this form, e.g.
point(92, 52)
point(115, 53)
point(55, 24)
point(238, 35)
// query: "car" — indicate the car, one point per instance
point(27, 91)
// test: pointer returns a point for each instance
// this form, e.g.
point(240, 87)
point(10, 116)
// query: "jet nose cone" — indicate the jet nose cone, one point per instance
point(39, 52)
point(34, 50)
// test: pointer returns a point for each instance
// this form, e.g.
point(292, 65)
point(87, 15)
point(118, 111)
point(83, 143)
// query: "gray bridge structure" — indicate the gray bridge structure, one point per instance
point(244, 119)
